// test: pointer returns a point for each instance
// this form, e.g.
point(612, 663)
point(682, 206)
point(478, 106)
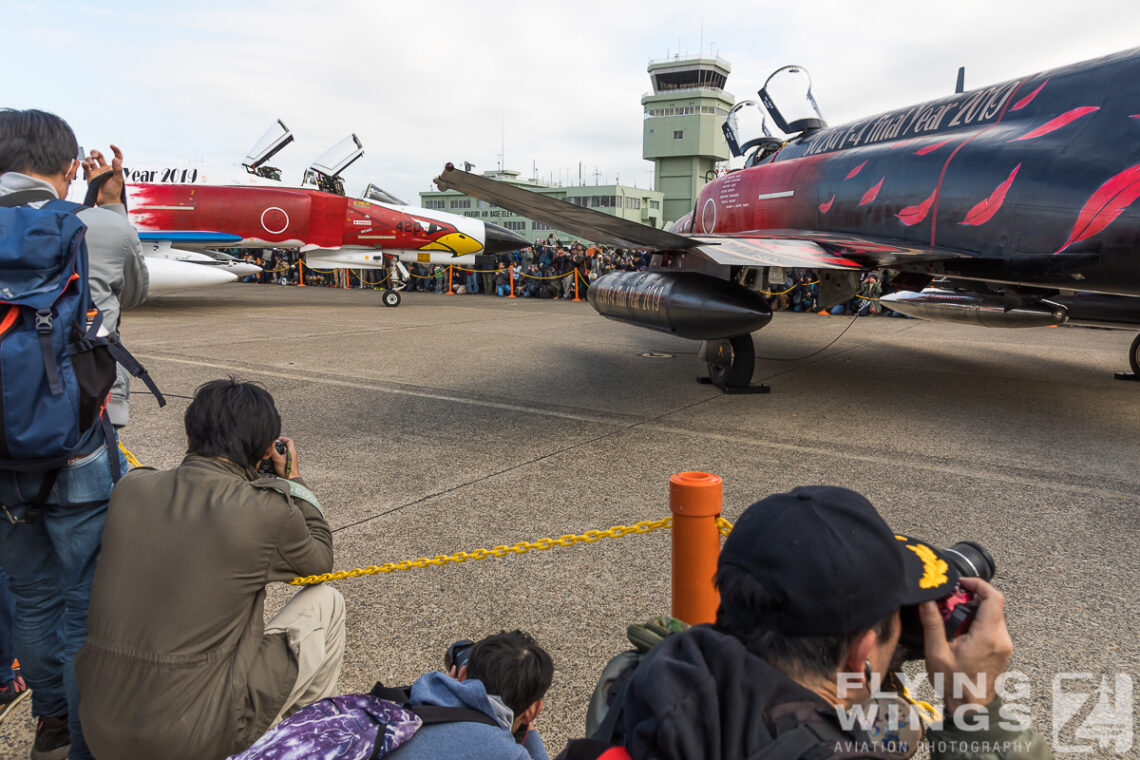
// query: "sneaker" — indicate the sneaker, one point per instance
point(12, 693)
point(52, 739)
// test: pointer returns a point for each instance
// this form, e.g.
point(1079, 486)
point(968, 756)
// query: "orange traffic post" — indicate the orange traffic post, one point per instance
point(450, 292)
point(511, 279)
point(300, 273)
point(695, 501)
point(576, 298)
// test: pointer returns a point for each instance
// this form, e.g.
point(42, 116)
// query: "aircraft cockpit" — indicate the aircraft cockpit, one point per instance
point(746, 131)
point(380, 195)
point(787, 97)
point(270, 144)
point(324, 173)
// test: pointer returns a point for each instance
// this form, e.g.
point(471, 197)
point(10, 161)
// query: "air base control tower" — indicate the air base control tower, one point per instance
point(682, 127)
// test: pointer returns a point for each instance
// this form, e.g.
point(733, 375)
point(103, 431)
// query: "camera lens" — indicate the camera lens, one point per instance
point(971, 560)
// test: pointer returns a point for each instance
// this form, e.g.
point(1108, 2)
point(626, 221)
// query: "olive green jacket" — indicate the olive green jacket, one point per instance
point(176, 663)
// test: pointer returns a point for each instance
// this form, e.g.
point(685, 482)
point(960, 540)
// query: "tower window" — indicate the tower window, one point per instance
point(678, 134)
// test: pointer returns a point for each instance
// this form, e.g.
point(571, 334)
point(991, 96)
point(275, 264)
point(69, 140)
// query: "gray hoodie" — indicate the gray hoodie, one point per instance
point(118, 275)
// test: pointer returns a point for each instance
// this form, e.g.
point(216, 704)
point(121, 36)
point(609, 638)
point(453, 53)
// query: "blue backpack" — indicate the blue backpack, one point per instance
point(55, 369)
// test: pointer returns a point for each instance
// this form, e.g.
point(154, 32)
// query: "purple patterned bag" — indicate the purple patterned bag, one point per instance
point(338, 728)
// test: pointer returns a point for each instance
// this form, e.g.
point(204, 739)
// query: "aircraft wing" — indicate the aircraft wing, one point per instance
point(592, 225)
point(770, 248)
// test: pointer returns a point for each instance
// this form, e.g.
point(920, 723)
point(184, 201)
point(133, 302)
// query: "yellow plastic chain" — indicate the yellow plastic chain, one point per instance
point(129, 456)
point(724, 527)
point(522, 547)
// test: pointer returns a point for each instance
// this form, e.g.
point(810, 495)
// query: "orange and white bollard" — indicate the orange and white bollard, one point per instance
point(695, 500)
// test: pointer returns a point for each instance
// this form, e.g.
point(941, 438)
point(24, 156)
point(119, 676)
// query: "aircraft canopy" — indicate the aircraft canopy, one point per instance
point(787, 96)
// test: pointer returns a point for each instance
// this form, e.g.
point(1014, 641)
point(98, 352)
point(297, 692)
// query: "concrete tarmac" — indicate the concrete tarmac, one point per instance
point(457, 422)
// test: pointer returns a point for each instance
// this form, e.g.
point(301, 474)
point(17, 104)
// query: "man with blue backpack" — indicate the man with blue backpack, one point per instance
point(65, 272)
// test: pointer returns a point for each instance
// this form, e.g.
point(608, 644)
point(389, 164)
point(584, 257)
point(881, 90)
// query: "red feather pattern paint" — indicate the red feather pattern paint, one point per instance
point(912, 215)
point(872, 193)
point(1109, 200)
point(825, 207)
point(984, 211)
point(1026, 100)
point(1055, 124)
point(855, 171)
point(931, 148)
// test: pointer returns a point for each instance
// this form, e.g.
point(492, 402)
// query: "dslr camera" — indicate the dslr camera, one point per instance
point(971, 560)
point(266, 466)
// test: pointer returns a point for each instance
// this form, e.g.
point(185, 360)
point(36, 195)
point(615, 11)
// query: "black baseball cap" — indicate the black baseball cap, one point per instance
point(831, 562)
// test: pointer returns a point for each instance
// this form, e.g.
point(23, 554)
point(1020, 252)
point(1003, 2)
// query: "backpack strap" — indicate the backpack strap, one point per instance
point(434, 714)
point(131, 365)
point(24, 197)
point(397, 694)
point(431, 714)
point(799, 742)
point(44, 324)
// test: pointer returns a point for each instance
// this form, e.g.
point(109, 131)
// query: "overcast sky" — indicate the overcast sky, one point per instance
point(557, 83)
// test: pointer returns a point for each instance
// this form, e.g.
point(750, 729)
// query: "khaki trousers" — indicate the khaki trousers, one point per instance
point(313, 624)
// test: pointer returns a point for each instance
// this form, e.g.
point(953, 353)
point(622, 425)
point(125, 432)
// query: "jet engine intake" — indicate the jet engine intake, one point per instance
point(965, 307)
point(687, 304)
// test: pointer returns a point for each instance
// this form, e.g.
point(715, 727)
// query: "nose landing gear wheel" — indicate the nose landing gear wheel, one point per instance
point(390, 297)
point(731, 363)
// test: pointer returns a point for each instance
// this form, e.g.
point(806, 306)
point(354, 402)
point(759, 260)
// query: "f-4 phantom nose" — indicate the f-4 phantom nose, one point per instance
point(500, 239)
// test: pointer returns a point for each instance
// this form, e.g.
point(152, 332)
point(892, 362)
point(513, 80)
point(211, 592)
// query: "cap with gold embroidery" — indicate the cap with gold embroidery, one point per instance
point(829, 562)
point(929, 576)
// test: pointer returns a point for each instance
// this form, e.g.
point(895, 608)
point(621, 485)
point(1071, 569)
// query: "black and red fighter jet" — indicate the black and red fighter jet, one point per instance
point(1017, 201)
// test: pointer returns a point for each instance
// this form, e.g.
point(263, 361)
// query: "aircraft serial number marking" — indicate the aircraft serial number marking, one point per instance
point(410, 228)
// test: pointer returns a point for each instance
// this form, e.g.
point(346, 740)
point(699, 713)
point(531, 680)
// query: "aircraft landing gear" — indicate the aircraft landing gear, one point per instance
point(731, 363)
point(391, 295)
point(1134, 360)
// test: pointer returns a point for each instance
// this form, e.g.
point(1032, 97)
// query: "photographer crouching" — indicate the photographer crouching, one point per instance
point(178, 661)
point(815, 594)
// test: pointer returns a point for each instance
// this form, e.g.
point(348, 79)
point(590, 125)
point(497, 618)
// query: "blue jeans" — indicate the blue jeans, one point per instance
point(50, 564)
point(7, 653)
point(502, 290)
point(472, 282)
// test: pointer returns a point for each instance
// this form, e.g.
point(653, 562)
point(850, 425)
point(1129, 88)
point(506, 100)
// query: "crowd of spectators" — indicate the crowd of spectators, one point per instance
point(547, 269)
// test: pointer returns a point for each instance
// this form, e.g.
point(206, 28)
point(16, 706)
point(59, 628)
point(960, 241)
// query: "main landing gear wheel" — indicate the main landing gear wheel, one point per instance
point(731, 363)
point(1134, 360)
point(391, 297)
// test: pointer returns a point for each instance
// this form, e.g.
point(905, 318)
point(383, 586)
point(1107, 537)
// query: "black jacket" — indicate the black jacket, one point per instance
point(701, 694)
